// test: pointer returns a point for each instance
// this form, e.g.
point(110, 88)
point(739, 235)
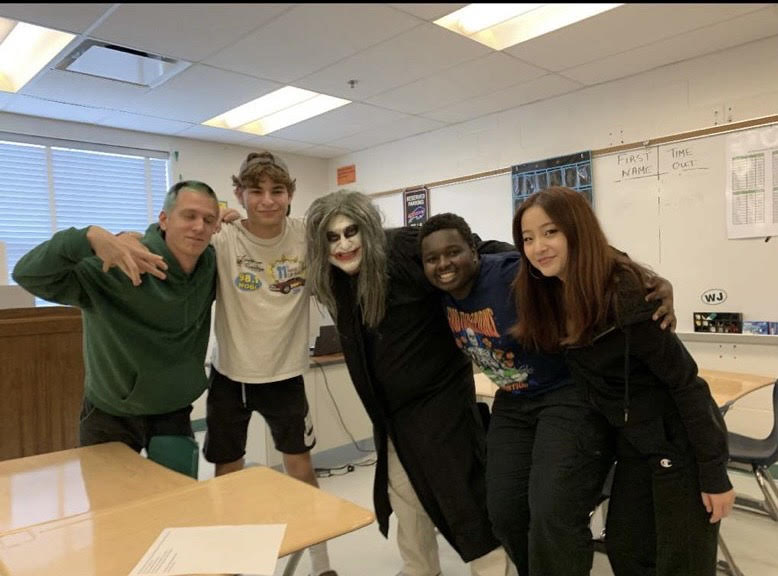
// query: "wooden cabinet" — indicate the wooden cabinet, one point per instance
point(41, 380)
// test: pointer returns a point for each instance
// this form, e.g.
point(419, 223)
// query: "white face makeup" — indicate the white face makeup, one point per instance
point(345, 244)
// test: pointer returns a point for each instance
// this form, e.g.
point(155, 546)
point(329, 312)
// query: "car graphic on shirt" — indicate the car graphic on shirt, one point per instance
point(287, 286)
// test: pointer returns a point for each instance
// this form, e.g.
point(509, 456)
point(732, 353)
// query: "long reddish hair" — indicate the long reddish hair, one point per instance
point(553, 313)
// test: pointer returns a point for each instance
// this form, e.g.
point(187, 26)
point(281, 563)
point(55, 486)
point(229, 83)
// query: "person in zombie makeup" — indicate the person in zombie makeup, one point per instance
point(415, 384)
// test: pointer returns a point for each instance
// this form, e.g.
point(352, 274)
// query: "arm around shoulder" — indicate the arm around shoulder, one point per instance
point(48, 270)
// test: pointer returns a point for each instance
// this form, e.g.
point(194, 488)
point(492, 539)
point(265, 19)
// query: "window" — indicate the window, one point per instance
point(49, 186)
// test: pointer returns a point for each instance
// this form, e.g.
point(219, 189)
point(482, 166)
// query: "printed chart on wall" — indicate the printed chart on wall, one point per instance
point(669, 207)
point(573, 171)
point(752, 184)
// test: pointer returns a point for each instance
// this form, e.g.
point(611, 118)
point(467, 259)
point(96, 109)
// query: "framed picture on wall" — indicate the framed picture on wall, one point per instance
point(416, 202)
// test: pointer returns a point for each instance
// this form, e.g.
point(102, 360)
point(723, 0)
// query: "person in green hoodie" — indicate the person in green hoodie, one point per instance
point(145, 340)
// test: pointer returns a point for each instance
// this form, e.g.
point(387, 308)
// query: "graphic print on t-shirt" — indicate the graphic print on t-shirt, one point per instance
point(476, 334)
point(288, 275)
point(285, 275)
point(249, 270)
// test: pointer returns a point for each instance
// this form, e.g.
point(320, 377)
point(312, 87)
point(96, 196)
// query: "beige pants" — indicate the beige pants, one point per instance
point(416, 536)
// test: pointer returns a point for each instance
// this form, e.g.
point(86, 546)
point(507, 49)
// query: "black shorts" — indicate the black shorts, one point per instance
point(282, 404)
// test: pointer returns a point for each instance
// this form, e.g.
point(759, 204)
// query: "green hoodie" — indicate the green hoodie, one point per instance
point(144, 346)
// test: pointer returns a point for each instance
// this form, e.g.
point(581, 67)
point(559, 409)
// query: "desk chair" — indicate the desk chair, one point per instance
point(758, 454)
point(179, 453)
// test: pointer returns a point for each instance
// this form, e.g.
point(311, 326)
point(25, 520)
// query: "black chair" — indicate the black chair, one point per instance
point(757, 455)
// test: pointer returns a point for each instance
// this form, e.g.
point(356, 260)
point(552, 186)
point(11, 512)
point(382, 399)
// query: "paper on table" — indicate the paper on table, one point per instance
point(249, 549)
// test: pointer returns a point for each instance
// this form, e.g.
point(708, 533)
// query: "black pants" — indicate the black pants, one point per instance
point(96, 426)
point(547, 458)
point(657, 524)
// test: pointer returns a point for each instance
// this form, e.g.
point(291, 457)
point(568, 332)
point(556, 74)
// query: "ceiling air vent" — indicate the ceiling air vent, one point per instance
point(121, 64)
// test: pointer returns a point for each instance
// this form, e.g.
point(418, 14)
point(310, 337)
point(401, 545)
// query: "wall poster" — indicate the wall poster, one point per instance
point(417, 205)
point(572, 170)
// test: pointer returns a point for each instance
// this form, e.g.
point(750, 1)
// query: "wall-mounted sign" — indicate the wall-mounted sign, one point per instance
point(417, 205)
point(713, 296)
point(347, 174)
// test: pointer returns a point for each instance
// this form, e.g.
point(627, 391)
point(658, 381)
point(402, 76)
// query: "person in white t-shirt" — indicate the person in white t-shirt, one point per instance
point(261, 328)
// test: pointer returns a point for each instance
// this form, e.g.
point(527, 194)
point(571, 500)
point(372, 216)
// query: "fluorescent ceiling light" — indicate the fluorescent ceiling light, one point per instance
point(502, 25)
point(271, 112)
point(25, 50)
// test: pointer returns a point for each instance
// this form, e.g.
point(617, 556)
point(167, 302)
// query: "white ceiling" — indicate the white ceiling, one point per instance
point(412, 76)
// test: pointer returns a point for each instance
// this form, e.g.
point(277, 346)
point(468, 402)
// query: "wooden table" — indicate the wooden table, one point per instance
point(112, 541)
point(728, 387)
point(725, 387)
point(58, 485)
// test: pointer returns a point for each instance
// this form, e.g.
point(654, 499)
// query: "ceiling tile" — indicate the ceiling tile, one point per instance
point(32, 106)
point(545, 87)
point(624, 28)
point(211, 134)
point(208, 27)
point(310, 37)
point(420, 52)
point(199, 93)
point(6, 98)
point(383, 133)
point(712, 38)
point(338, 123)
point(74, 88)
point(76, 18)
point(412, 76)
point(474, 78)
point(430, 11)
point(280, 144)
point(141, 123)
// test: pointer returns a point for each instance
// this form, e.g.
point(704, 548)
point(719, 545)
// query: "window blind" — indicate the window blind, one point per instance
point(47, 188)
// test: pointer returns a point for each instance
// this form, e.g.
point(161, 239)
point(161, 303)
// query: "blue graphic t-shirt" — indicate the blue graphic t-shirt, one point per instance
point(481, 325)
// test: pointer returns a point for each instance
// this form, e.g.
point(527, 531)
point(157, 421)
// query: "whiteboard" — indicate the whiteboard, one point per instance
point(666, 206)
point(485, 204)
point(673, 218)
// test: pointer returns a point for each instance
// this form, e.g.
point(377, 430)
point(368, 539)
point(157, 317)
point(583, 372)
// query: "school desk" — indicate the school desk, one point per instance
point(725, 387)
point(57, 485)
point(112, 541)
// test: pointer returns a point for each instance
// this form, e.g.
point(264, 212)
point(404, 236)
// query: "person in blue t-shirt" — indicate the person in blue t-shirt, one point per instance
point(548, 450)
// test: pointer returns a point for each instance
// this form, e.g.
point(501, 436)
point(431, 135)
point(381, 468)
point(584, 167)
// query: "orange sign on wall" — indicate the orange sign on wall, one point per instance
point(347, 174)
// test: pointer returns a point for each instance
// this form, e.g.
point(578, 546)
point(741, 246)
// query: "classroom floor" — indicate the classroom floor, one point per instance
point(751, 539)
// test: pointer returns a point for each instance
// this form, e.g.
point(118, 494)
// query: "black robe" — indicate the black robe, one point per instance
point(417, 388)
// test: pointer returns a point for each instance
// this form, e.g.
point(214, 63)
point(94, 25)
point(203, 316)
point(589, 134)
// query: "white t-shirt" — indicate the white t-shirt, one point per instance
point(262, 304)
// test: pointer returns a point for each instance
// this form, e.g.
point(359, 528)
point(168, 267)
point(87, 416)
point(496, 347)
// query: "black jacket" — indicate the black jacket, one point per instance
point(417, 388)
point(636, 372)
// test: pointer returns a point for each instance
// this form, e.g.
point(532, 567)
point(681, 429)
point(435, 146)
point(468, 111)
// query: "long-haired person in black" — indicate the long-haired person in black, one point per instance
point(578, 296)
point(415, 384)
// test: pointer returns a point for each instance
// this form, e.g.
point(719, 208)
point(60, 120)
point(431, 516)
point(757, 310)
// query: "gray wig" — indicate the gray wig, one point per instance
point(372, 278)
